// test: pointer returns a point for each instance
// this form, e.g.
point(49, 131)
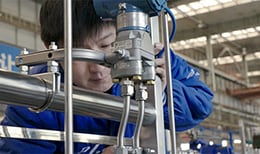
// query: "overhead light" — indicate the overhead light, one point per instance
point(237, 32)
point(184, 8)
point(182, 42)
point(208, 3)
point(253, 73)
point(201, 39)
point(205, 6)
point(257, 54)
point(226, 34)
point(237, 141)
point(196, 5)
point(217, 38)
point(250, 30)
point(224, 1)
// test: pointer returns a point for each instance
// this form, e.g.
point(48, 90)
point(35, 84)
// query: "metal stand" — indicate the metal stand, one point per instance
point(169, 84)
point(132, 65)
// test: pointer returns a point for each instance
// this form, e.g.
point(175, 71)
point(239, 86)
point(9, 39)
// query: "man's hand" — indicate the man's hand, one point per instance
point(108, 150)
point(160, 63)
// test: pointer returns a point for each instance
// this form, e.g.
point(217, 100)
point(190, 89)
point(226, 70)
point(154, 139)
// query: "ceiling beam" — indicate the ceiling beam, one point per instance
point(245, 93)
point(19, 22)
point(218, 28)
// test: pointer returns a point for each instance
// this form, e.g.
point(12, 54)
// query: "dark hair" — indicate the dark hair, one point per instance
point(86, 23)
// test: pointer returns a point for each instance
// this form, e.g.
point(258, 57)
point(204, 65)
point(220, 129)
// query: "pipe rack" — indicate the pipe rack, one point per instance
point(32, 92)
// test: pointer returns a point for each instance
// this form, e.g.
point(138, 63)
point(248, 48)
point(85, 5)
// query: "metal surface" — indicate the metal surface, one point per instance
point(58, 54)
point(141, 95)
point(127, 90)
point(108, 8)
point(14, 85)
point(243, 136)
point(54, 135)
point(132, 19)
point(133, 35)
point(68, 124)
point(139, 122)
point(33, 92)
point(153, 136)
point(245, 66)
point(54, 79)
point(169, 84)
point(209, 54)
point(24, 69)
point(123, 122)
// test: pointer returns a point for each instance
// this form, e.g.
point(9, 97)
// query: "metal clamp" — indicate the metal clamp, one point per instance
point(54, 78)
point(45, 105)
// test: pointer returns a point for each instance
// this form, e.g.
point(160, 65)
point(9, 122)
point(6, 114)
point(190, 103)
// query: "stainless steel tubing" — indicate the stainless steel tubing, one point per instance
point(28, 91)
point(127, 90)
point(54, 135)
point(123, 122)
point(139, 123)
point(68, 124)
point(141, 95)
point(169, 84)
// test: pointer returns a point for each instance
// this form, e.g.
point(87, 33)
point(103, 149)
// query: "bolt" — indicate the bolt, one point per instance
point(137, 78)
point(53, 46)
point(116, 80)
point(150, 82)
point(23, 69)
point(24, 51)
point(53, 66)
point(122, 6)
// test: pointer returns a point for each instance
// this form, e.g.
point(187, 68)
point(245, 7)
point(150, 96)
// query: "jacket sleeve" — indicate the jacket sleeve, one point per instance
point(192, 98)
point(20, 116)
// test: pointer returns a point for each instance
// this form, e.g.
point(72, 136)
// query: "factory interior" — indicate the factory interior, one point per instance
point(220, 38)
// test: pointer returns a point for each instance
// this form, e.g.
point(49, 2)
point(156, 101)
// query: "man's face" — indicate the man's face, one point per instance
point(93, 76)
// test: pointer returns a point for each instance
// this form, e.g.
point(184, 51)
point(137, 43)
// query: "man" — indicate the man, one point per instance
point(192, 97)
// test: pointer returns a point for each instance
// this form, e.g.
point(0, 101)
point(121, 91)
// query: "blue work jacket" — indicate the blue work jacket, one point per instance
point(192, 104)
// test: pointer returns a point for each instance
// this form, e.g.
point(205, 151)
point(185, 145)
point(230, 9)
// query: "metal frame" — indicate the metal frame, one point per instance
point(152, 135)
point(86, 103)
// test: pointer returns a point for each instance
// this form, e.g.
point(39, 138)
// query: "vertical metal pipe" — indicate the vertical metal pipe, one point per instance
point(139, 122)
point(140, 96)
point(68, 77)
point(245, 66)
point(243, 136)
point(210, 62)
point(35, 19)
point(123, 122)
point(169, 83)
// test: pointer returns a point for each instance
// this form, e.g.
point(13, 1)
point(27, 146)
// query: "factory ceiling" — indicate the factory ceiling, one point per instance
point(234, 28)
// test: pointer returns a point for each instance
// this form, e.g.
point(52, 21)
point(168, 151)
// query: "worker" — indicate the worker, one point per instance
point(192, 98)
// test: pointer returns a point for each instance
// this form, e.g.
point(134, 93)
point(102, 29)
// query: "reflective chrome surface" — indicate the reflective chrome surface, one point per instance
point(170, 100)
point(68, 124)
point(28, 91)
point(133, 19)
point(58, 54)
point(53, 135)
